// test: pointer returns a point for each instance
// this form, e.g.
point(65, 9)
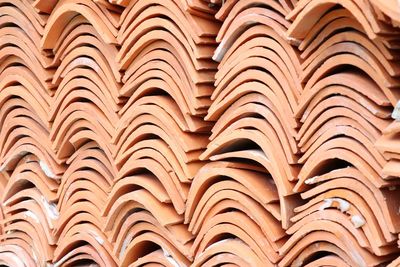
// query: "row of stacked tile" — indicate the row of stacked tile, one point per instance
point(305, 92)
point(203, 133)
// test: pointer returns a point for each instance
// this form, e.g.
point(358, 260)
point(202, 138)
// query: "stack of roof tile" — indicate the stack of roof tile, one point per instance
point(199, 133)
point(349, 77)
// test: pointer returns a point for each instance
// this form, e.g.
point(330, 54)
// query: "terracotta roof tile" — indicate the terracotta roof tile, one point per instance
point(199, 133)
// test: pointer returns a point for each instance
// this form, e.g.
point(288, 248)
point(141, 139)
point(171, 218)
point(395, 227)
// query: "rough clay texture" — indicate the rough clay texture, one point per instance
point(199, 133)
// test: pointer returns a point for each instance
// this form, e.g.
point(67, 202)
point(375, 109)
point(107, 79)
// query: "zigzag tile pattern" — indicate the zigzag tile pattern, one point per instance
point(199, 133)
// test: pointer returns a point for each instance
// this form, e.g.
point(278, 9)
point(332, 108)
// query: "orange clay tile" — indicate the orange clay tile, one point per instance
point(199, 133)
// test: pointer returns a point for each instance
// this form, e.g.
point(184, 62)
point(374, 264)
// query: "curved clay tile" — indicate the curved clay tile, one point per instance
point(84, 238)
point(342, 127)
point(362, 48)
point(29, 174)
point(349, 102)
point(136, 249)
point(160, 182)
point(18, 52)
point(257, 105)
point(84, 255)
point(153, 104)
point(140, 199)
point(382, 196)
point(260, 58)
point(244, 19)
point(245, 103)
point(157, 81)
point(94, 150)
point(81, 90)
point(141, 150)
point(331, 232)
point(24, 11)
point(191, 88)
point(17, 126)
point(212, 187)
point(236, 224)
point(332, 23)
point(378, 209)
point(18, 118)
point(313, 10)
point(126, 230)
point(156, 181)
point(85, 56)
point(165, 118)
point(187, 146)
point(34, 234)
point(348, 83)
point(155, 258)
point(75, 88)
point(13, 36)
point(134, 226)
point(139, 11)
point(88, 165)
point(51, 166)
point(14, 255)
point(78, 77)
point(231, 8)
point(262, 83)
point(77, 213)
point(30, 210)
point(34, 194)
point(340, 100)
point(67, 134)
point(249, 134)
point(160, 50)
point(18, 108)
point(251, 43)
point(345, 150)
point(96, 198)
point(306, 256)
point(186, 121)
point(377, 48)
point(388, 145)
point(199, 61)
point(350, 202)
point(201, 22)
point(27, 97)
point(351, 226)
point(232, 246)
point(66, 10)
point(198, 77)
point(12, 17)
point(383, 80)
point(82, 191)
point(184, 171)
point(72, 30)
point(344, 118)
point(261, 189)
point(27, 8)
point(389, 8)
point(348, 136)
point(280, 172)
